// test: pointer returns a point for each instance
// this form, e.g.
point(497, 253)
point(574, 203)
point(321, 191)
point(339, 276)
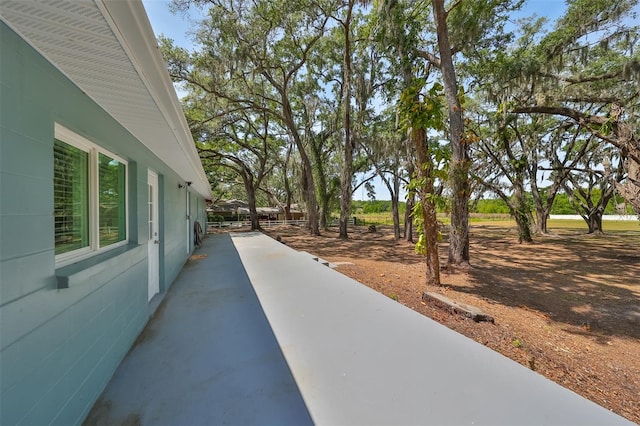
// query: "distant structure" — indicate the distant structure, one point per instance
point(236, 210)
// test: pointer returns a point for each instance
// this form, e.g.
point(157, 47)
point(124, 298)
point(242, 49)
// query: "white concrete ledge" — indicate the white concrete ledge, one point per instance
point(360, 358)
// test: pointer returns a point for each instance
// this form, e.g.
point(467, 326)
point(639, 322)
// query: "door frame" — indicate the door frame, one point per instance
point(188, 216)
point(153, 234)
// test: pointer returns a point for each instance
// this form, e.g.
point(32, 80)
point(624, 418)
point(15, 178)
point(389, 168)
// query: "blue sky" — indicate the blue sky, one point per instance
point(165, 22)
point(177, 28)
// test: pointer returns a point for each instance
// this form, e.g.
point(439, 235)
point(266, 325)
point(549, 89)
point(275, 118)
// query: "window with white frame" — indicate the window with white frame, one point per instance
point(90, 197)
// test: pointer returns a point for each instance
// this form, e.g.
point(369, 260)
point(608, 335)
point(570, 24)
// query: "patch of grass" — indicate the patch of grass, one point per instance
point(502, 224)
point(607, 225)
point(504, 221)
point(571, 297)
point(375, 219)
point(567, 224)
point(621, 225)
point(479, 217)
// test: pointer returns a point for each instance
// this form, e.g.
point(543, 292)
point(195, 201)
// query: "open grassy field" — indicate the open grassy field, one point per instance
point(506, 222)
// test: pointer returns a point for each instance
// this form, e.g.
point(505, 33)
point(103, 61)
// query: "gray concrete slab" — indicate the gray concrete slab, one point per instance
point(258, 333)
point(208, 357)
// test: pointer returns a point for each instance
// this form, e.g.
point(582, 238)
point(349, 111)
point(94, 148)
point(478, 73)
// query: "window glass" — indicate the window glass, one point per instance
point(71, 197)
point(90, 197)
point(112, 207)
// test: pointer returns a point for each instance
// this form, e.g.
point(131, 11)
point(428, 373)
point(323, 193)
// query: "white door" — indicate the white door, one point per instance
point(154, 237)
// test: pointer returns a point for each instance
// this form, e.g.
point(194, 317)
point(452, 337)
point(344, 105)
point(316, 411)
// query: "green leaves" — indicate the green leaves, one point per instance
point(422, 110)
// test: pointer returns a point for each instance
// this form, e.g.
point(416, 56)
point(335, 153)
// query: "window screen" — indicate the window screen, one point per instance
point(71, 197)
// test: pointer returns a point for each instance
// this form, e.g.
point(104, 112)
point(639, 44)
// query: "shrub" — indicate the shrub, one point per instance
point(216, 218)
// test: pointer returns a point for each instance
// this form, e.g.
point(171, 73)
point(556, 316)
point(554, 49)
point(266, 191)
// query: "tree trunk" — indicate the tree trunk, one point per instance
point(540, 223)
point(543, 199)
point(408, 217)
point(347, 165)
point(324, 210)
point(541, 220)
point(309, 195)
point(251, 201)
point(287, 187)
point(590, 210)
point(308, 183)
point(460, 162)
point(594, 221)
point(396, 217)
point(524, 231)
point(395, 208)
point(594, 216)
point(630, 190)
point(394, 192)
point(542, 206)
point(411, 195)
point(430, 220)
point(521, 211)
point(322, 189)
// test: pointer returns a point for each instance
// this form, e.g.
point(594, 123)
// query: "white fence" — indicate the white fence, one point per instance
point(604, 217)
point(246, 223)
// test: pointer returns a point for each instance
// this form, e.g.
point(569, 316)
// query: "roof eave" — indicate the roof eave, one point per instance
point(130, 24)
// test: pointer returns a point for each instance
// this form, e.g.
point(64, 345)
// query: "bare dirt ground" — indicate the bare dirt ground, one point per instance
point(566, 306)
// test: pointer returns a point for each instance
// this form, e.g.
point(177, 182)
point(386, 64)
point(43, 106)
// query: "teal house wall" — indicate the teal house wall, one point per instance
point(64, 330)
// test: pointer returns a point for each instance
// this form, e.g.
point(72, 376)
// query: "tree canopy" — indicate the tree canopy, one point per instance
point(450, 102)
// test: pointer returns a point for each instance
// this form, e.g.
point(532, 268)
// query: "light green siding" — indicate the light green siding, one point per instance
point(60, 346)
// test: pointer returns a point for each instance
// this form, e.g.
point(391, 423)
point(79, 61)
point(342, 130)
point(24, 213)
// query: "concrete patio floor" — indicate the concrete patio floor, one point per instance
point(257, 333)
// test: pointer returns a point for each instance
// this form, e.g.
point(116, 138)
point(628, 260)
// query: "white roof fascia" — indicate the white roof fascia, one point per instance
point(130, 24)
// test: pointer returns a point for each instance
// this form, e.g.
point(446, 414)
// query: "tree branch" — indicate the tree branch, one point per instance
point(453, 6)
point(583, 79)
point(433, 59)
point(565, 112)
